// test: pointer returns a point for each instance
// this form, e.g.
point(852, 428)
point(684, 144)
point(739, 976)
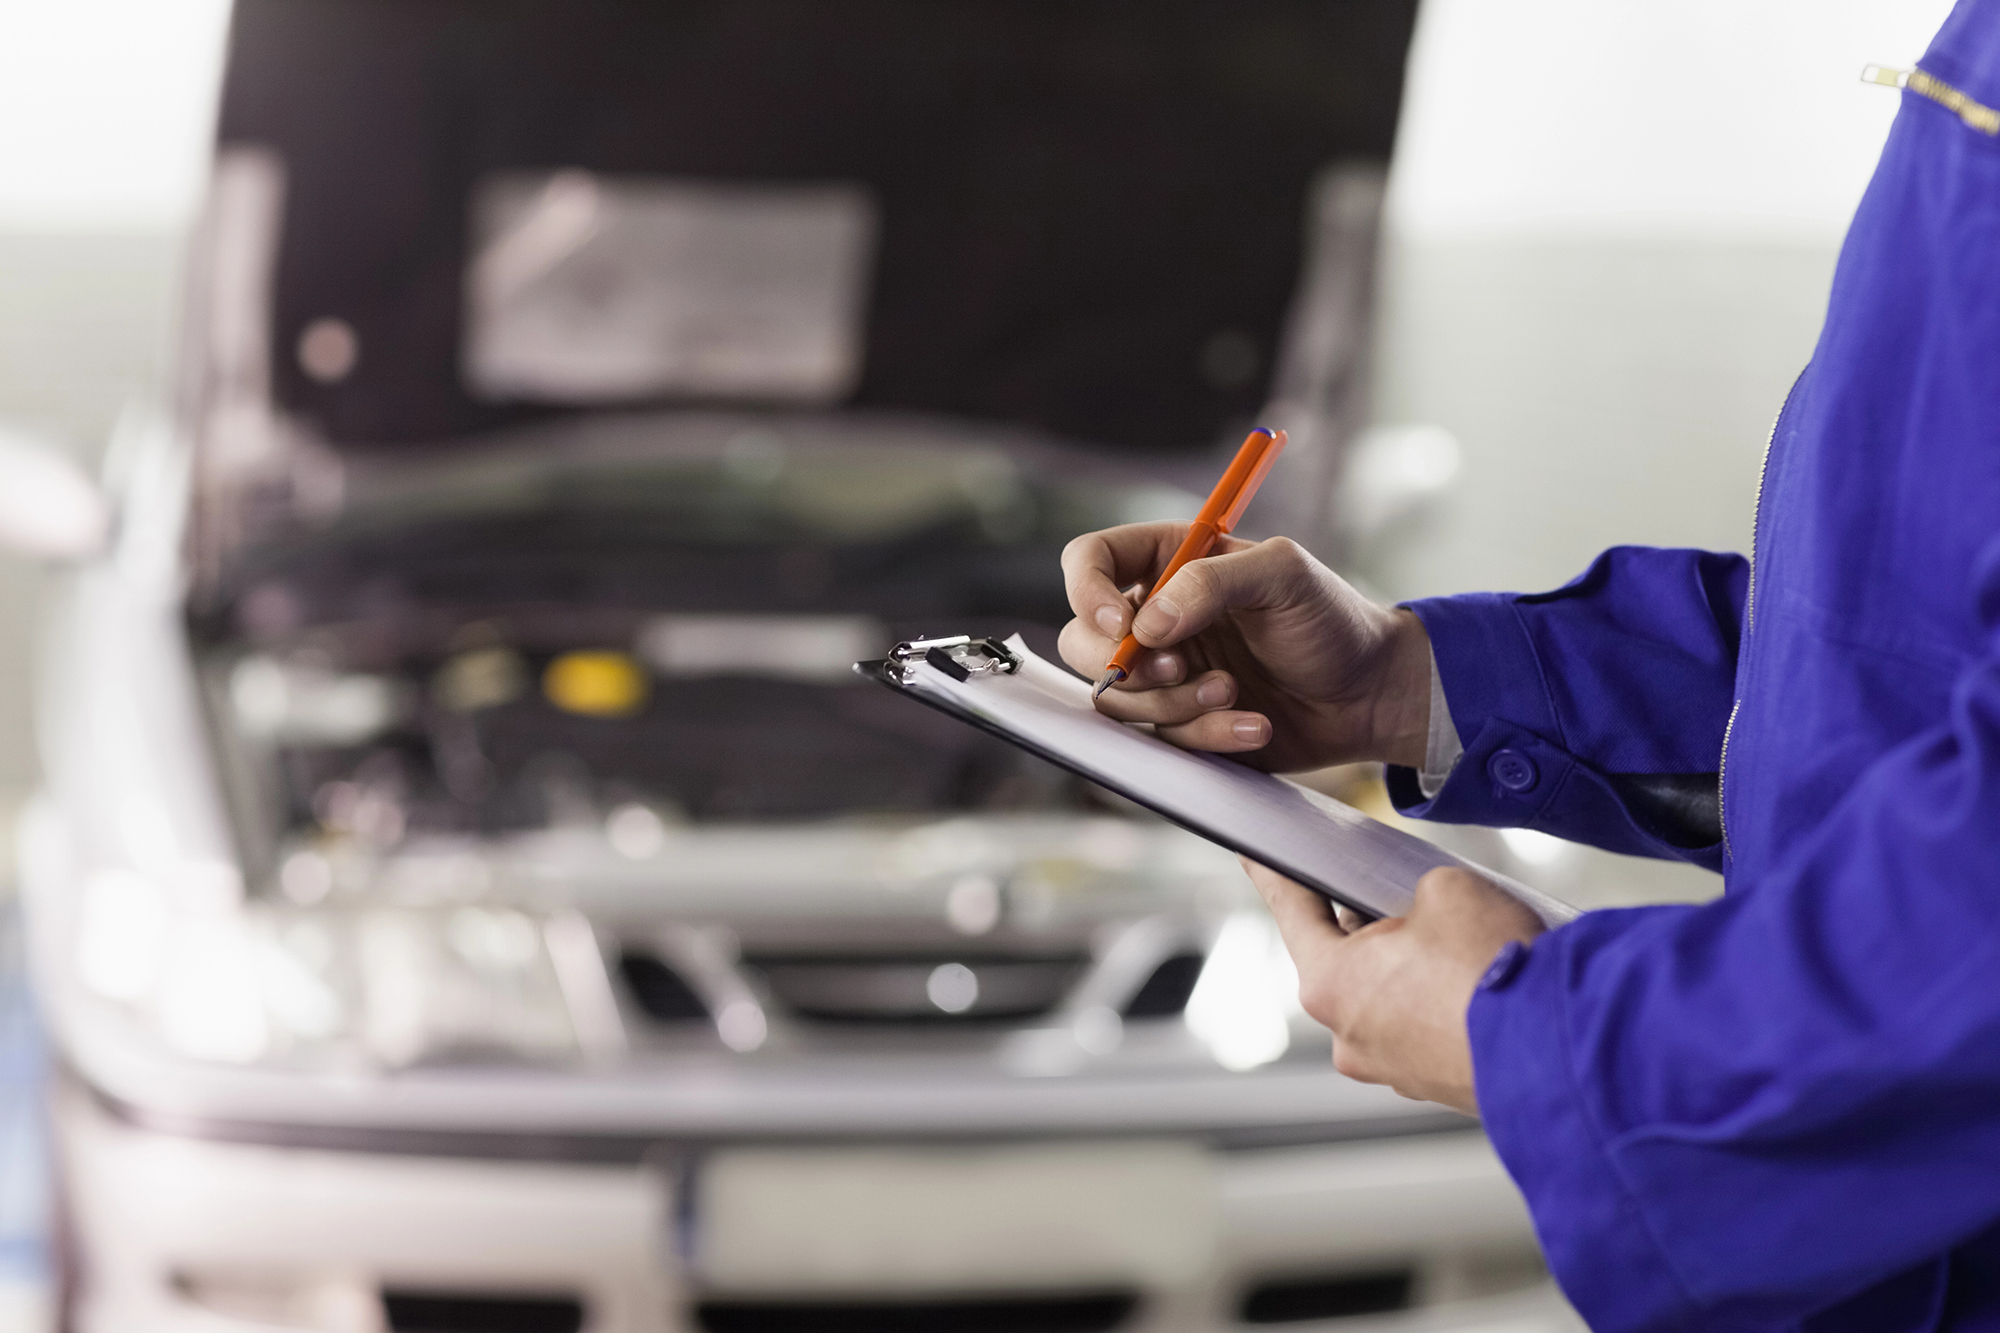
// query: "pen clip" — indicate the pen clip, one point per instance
point(1246, 488)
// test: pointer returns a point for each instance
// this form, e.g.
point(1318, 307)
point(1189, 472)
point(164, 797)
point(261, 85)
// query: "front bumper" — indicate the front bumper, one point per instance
point(186, 1233)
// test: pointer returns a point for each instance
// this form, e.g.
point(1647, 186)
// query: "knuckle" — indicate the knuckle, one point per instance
point(1195, 582)
point(1316, 997)
point(1285, 550)
point(1184, 736)
point(1080, 647)
point(1084, 554)
point(1349, 1062)
point(1445, 882)
point(1144, 706)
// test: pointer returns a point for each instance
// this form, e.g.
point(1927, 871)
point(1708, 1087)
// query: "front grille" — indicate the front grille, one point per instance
point(1334, 1296)
point(662, 993)
point(1017, 1314)
point(1166, 992)
point(916, 989)
point(466, 1312)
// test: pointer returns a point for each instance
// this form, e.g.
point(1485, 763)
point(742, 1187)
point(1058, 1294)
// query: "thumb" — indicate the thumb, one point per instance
point(1272, 573)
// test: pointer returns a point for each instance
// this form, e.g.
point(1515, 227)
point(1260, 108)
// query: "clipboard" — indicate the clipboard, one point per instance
point(1003, 688)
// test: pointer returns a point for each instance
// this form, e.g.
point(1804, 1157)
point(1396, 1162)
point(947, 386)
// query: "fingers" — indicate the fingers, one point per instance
point(1348, 919)
point(1099, 566)
point(1313, 937)
point(1224, 731)
point(1271, 573)
point(1305, 919)
point(1195, 714)
point(1087, 651)
point(1151, 697)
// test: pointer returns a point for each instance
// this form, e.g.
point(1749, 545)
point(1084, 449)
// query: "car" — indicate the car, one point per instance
point(472, 888)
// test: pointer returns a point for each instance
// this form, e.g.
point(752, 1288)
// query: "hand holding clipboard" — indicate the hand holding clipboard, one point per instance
point(1005, 689)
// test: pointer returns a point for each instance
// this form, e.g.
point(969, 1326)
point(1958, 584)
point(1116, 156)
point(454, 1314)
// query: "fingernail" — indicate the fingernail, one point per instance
point(1213, 692)
point(1111, 622)
point(1164, 667)
point(1250, 729)
point(1157, 618)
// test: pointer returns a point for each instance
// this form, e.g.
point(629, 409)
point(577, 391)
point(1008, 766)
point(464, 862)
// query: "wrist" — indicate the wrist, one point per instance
point(1403, 702)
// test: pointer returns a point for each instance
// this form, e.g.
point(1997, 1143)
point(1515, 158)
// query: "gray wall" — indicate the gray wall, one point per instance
point(1604, 392)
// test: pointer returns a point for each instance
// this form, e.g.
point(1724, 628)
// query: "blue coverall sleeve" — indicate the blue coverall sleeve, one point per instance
point(1730, 1110)
point(1646, 641)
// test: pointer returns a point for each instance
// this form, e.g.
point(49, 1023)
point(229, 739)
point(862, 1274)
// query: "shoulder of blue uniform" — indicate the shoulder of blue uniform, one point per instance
point(1965, 56)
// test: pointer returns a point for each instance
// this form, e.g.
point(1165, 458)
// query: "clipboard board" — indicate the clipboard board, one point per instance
point(1003, 688)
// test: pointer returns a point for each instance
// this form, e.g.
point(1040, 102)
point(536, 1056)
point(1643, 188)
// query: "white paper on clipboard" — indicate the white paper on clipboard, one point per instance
point(1314, 839)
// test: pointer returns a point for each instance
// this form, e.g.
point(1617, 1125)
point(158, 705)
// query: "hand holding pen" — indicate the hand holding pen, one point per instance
point(1217, 519)
point(1254, 649)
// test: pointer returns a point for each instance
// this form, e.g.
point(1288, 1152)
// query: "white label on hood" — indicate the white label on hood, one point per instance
point(587, 289)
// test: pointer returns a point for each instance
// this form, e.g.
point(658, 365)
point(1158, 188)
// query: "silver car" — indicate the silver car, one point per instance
point(471, 890)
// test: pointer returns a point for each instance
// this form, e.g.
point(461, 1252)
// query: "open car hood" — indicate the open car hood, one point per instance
point(1111, 224)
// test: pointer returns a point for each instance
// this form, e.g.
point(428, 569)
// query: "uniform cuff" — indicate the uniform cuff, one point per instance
point(1490, 681)
point(1515, 771)
point(1485, 662)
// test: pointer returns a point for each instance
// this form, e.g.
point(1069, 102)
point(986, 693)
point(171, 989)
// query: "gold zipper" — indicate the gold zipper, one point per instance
point(1749, 615)
point(1976, 116)
point(1722, 783)
point(1756, 524)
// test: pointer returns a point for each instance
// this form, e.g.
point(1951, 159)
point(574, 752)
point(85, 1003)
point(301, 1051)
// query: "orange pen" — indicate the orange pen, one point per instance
point(1224, 509)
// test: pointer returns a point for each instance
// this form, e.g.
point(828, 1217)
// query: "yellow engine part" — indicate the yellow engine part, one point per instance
point(596, 684)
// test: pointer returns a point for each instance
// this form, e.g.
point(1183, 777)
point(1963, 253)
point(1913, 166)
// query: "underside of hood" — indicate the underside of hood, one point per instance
point(1130, 227)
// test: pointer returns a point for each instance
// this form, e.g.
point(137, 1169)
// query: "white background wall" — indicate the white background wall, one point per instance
point(105, 109)
point(1613, 224)
point(1723, 119)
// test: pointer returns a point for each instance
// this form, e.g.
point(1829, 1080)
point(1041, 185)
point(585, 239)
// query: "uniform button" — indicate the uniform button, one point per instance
point(1504, 965)
point(1513, 770)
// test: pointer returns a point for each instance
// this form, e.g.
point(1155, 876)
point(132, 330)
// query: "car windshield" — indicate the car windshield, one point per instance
point(504, 649)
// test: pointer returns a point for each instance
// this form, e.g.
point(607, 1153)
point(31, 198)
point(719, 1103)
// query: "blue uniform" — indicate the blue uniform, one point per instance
point(1780, 1110)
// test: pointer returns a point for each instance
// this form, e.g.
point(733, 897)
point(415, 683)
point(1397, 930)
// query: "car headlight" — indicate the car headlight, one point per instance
point(373, 985)
point(1242, 1006)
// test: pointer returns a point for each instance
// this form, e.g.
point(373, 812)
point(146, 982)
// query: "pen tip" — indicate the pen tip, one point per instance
point(1111, 677)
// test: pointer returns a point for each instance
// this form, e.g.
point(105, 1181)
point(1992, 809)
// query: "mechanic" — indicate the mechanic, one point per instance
point(1781, 1109)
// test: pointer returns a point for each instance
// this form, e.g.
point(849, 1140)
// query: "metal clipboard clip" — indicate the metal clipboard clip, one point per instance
point(961, 657)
